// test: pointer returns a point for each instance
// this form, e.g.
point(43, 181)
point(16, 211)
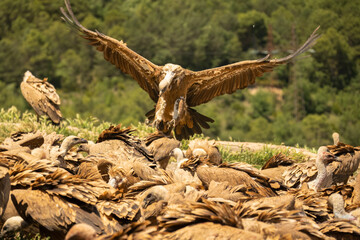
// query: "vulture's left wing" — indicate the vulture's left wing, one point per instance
point(142, 70)
point(227, 79)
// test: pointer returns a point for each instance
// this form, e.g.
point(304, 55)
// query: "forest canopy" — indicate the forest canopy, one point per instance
point(300, 103)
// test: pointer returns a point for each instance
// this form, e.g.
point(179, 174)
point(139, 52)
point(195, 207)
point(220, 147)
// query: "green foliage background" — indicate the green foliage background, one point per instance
point(300, 103)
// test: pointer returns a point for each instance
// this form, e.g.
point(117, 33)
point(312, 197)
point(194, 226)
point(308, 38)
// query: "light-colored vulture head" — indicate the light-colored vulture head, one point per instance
point(81, 231)
point(57, 154)
point(171, 73)
point(336, 138)
point(323, 178)
point(153, 195)
point(204, 148)
point(71, 141)
point(12, 225)
point(85, 147)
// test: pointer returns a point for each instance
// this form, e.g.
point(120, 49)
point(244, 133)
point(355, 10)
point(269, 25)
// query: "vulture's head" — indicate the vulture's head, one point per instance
point(171, 73)
point(12, 225)
point(71, 141)
point(81, 231)
point(177, 153)
point(28, 75)
point(324, 177)
point(324, 156)
point(336, 138)
point(154, 194)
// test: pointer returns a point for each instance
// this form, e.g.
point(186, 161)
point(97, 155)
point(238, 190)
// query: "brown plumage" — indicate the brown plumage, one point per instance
point(160, 146)
point(66, 199)
point(124, 135)
point(176, 90)
point(347, 163)
point(319, 173)
point(209, 230)
point(340, 229)
point(27, 139)
point(233, 176)
point(5, 187)
point(42, 97)
point(204, 147)
point(22, 142)
point(267, 181)
point(355, 198)
point(136, 231)
point(304, 230)
point(217, 191)
point(124, 174)
point(263, 219)
point(54, 215)
point(118, 144)
point(276, 161)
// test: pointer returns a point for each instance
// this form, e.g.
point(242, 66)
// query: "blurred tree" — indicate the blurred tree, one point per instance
point(334, 60)
point(316, 130)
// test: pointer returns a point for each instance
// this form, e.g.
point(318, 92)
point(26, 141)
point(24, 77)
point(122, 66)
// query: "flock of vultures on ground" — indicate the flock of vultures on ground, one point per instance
point(126, 187)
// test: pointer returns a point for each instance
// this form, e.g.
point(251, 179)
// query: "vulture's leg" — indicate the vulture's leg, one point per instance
point(176, 112)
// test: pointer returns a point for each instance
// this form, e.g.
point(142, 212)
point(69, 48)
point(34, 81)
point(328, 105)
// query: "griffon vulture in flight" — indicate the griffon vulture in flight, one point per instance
point(42, 96)
point(176, 90)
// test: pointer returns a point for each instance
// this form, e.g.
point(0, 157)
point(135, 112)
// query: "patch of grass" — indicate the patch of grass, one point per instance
point(12, 120)
point(25, 236)
point(258, 158)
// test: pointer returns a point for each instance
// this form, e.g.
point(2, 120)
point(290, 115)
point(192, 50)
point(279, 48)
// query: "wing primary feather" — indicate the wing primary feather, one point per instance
point(308, 44)
point(116, 52)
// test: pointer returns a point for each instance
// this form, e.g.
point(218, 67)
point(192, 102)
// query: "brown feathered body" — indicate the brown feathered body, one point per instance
point(42, 97)
point(160, 147)
point(230, 174)
point(348, 162)
point(204, 147)
point(176, 90)
point(4, 187)
point(209, 230)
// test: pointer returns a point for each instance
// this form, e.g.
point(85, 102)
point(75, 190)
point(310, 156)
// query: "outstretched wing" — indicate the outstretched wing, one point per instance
point(214, 82)
point(142, 70)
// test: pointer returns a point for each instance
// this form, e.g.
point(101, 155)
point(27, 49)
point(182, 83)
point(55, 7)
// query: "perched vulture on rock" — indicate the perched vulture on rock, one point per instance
point(176, 90)
point(42, 96)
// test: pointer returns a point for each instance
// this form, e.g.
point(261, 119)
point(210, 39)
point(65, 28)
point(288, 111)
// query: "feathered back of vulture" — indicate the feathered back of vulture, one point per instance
point(124, 134)
point(208, 147)
point(42, 97)
point(342, 148)
point(277, 160)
